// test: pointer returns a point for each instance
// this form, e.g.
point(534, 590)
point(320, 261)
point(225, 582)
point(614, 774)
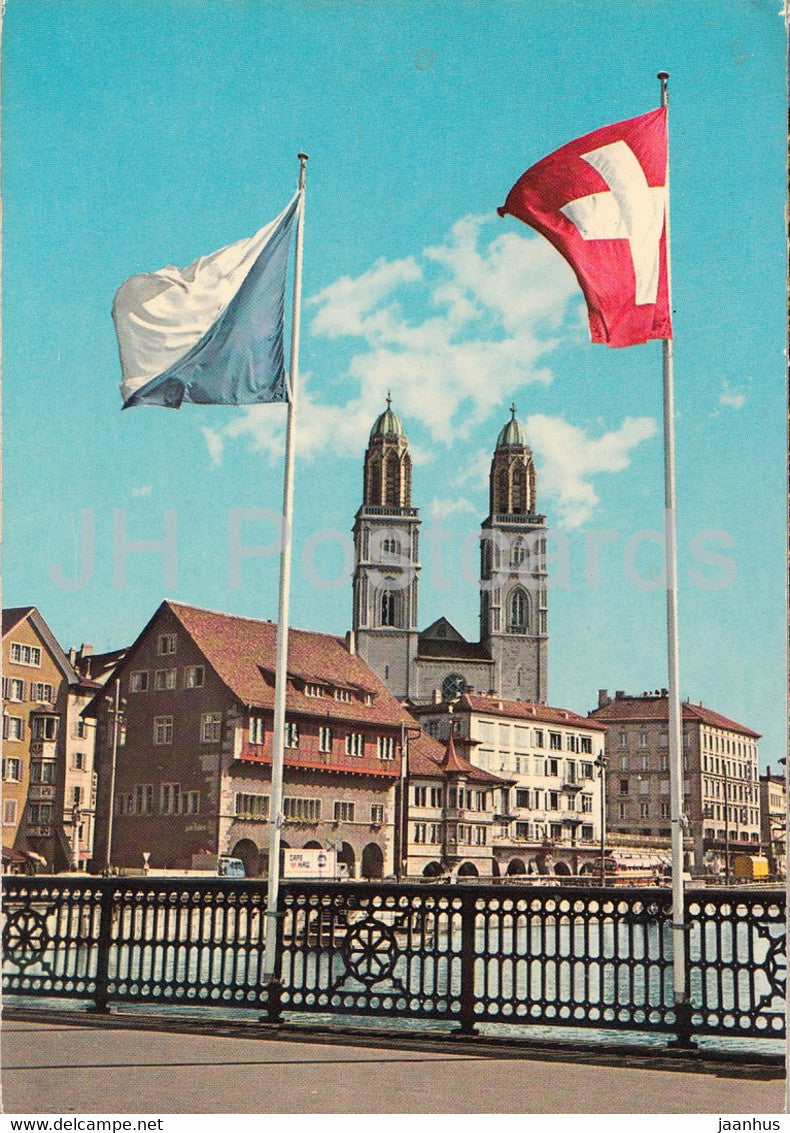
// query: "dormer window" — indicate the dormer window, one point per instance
point(343, 694)
point(313, 690)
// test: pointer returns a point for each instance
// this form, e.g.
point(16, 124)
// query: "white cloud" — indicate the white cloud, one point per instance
point(441, 509)
point(215, 442)
point(568, 458)
point(731, 398)
point(494, 310)
point(142, 490)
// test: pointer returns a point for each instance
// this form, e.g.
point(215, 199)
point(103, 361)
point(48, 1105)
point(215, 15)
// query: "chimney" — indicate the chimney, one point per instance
point(72, 655)
point(85, 650)
point(619, 694)
point(351, 642)
point(603, 697)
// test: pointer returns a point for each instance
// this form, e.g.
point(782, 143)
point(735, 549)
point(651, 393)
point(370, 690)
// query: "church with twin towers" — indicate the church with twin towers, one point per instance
point(510, 658)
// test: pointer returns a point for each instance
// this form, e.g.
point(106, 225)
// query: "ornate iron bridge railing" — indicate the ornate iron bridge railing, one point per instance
point(522, 955)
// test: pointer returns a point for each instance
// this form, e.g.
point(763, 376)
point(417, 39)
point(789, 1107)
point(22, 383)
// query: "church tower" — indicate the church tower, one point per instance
point(513, 608)
point(386, 558)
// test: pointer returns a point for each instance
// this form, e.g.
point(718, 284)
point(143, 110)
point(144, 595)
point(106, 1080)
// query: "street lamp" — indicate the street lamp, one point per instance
point(601, 763)
point(76, 818)
point(115, 710)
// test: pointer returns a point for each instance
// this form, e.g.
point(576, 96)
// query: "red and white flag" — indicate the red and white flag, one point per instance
point(602, 202)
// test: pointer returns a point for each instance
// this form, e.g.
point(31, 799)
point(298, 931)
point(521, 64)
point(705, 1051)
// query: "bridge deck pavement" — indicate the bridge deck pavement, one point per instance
point(130, 1067)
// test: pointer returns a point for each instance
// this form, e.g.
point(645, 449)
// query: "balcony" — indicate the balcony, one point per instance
point(399, 512)
point(511, 517)
point(571, 785)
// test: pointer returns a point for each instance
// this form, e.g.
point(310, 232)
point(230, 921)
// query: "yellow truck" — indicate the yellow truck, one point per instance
point(750, 867)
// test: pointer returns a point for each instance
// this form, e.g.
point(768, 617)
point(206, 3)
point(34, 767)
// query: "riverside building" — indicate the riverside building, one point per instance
point(720, 775)
point(548, 818)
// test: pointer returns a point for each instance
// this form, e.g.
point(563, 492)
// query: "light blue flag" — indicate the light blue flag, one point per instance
point(211, 333)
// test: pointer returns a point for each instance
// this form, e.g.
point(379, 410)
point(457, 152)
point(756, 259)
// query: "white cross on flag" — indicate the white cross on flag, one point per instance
point(601, 201)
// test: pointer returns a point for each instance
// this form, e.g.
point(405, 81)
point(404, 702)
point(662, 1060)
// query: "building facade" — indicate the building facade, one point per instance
point(42, 739)
point(720, 775)
point(773, 821)
point(450, 812)
point(510, 659)
point(194, 748)
point(548, 816)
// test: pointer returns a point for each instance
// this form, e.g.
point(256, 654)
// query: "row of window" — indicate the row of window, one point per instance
point(743, 814)
point(41, 727)
point(539, 832)
point(252, 807)
point(715, 741)
point(536, 799)
point(172, 800)
point(729, 768)
point(15, 689)
point(525, 738)
point(25, 654)
point(166, 680)
point(644, 786)
point(354, 741)
point(464, 833)
point(457, 798)
point(726, 788)
point(642, 739)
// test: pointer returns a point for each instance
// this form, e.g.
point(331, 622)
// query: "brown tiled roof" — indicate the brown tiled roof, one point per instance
point(242, 651)
point(517, 709)
point(426, 756)
point(625, 708)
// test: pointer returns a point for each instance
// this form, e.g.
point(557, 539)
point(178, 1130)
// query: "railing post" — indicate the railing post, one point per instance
point(274, 988)
point(684, 1028)
point(100, 996)
point(468, 912)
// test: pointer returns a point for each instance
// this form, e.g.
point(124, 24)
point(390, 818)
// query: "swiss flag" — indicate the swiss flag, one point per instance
point(601, 201)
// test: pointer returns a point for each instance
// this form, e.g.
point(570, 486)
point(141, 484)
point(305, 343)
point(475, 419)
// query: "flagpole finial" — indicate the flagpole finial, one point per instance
point(663, 78)
point(303, 159)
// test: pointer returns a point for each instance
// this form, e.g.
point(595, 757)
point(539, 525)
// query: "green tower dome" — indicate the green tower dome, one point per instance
point(513, 433)
point(388, 424)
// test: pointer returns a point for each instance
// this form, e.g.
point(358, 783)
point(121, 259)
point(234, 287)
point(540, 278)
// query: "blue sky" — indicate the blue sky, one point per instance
point(136, 135)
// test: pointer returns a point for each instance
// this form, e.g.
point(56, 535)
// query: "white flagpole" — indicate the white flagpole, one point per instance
point(675, 726)
point(281, 663)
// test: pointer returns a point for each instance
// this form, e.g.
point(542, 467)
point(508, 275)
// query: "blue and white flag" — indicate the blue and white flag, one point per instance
point(210, 333)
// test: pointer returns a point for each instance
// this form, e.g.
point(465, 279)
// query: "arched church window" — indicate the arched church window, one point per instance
point(374, 482)
point(518, 553)
point(391, 547)
point(453, 685)
point(519, 611)
point(486, 558)
point(387, 608)
point(407, 481)
point(519, 490)
point(392, 481)
point(502, 501)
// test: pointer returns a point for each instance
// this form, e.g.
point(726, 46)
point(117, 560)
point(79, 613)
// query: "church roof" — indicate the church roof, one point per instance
point(434, 649)
point(388, 424)
point(513, 433)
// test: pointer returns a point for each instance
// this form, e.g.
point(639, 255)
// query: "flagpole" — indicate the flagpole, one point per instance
point(281, 662)
point(675, 725)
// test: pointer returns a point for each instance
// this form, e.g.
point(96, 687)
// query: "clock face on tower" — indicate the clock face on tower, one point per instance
point(452, 685)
